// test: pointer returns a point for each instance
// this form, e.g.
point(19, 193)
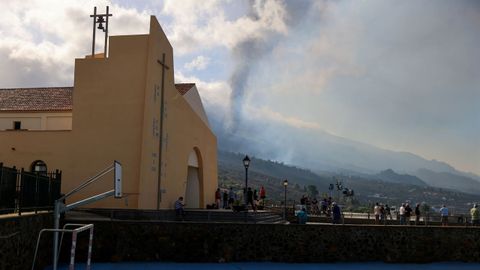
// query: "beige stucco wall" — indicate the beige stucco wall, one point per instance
point(181, 141)
point(116, 116)
point(37, 120)
point(21, 148)
point(183, 131)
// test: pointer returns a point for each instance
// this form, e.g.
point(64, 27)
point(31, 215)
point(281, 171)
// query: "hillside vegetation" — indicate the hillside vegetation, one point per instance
point(384, 187)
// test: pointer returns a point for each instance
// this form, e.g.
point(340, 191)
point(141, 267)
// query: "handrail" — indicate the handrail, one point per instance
point(61, 207)
point(9, 235)
point(88, 182)
point(61, 238)
point(74, 236)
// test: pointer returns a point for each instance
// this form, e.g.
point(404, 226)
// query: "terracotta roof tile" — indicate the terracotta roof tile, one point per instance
point(36, 99)
point(49, 98)
point(183, 88)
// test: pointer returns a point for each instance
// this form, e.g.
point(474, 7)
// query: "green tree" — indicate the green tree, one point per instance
point(425, 208)
point(312, 190)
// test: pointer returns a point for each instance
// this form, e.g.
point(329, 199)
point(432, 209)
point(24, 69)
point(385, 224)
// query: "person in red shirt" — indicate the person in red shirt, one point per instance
point(262, 196)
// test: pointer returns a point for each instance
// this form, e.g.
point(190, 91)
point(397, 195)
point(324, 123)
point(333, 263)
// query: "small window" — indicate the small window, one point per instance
point(17, 125)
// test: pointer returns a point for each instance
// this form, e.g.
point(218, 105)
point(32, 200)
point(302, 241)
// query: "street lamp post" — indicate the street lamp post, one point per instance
point(246, 163)
point(339, 187)
point(285, 184)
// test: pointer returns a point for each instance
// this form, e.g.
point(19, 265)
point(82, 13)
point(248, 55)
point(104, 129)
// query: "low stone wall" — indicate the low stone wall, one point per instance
point(18, 237)
point(214, 242)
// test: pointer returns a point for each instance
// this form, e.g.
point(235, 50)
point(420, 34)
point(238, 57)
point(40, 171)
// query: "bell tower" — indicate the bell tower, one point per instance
point(100, 19)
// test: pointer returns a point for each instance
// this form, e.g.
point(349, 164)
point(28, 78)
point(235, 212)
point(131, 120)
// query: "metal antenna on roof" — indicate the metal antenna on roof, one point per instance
point(100, 19)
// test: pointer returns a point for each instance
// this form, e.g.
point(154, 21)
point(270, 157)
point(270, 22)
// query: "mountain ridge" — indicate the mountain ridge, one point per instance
point(320, 151)
point(386, 186)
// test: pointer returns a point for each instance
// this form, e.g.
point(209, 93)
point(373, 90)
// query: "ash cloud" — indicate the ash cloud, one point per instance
point(396, 76)
point(248, 53)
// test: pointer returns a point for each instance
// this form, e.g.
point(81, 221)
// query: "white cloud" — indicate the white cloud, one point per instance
point(199, 63)
point(43, 37)
point(215, 95)
point(203, 24)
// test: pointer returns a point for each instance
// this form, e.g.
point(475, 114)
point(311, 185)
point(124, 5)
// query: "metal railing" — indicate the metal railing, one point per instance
point(81, 228)
point(430, 218)
point(22, 191)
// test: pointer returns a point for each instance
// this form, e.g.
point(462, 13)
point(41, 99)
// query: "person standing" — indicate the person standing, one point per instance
point(324, 205)
point(250, 199)
point(417, 214)
point(303, 201)
point(255, 198)
point(262, 193)
point(302, 216)
point(218, 197)
point(401, 212)
point(475, 215)
point(336, 213)
point(388, 212)
point(376, 212)
point(382, 214)
point(329, 206)
point(231, 197)
point(225, 199)
point(444, 215)
point(315, 210)
point(408, 213)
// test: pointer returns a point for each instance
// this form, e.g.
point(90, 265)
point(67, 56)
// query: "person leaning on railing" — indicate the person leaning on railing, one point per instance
point(444, 215)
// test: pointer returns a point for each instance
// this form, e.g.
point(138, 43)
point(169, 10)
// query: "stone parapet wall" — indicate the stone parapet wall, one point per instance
point(18, 237)
point(213, 242)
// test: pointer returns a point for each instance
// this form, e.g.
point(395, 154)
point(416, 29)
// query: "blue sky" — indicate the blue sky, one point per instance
point(401, 75)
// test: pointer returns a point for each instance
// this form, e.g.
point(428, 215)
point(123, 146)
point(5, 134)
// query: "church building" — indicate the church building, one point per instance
point(123, 107)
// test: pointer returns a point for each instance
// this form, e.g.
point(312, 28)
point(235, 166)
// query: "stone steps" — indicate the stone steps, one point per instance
point(192, 215)
point(229, 216)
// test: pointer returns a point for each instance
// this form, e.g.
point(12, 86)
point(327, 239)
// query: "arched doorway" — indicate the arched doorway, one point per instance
point(38, 166)
point(193, 194)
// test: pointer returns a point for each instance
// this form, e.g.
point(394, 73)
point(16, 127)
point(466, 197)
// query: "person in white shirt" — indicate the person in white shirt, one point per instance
point(401, 212)
point(377, 212)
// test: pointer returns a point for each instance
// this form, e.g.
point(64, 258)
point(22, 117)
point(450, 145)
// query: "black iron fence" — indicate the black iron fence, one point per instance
point(22, 191)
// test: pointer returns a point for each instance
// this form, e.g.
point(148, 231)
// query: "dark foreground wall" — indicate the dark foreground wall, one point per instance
point(194, 242)
point(18, 236)
point(210, 242)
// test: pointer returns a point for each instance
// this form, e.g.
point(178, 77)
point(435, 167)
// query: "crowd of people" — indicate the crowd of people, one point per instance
point(326, 207)
point(315, 207)
point(405, 214)
point(383, 212)
point(227, 199)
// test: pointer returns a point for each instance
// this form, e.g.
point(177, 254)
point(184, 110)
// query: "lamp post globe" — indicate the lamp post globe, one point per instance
point(246, 163)
point(285, 184)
